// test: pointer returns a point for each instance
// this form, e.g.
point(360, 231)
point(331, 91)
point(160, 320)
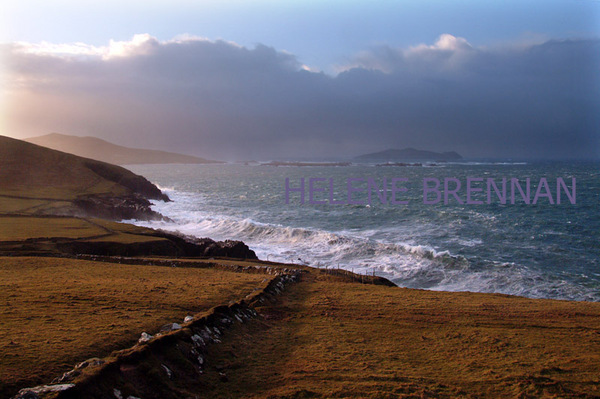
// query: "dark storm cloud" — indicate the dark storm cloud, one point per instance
point(220, 100)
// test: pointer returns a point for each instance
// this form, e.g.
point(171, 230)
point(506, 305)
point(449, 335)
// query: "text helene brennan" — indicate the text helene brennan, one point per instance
point(394, 191)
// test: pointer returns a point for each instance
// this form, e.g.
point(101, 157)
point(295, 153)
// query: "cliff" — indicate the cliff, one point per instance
point(39, 180)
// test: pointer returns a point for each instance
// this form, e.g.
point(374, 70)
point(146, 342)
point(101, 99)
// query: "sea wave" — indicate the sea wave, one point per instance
point(406, 264)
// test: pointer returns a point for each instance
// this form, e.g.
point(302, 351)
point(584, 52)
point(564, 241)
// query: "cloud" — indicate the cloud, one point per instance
point(450, 43)
point(222, 100)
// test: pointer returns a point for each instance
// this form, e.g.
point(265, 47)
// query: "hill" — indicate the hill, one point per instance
point(41, 190)
point(39, 180)
point(409, 154)
point(101, 150)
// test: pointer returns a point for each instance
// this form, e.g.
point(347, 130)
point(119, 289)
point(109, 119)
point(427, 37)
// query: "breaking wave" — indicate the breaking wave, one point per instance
point(406, 264)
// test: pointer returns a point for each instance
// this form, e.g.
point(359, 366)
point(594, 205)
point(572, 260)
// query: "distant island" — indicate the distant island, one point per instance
point(409, 154)
point(101, 150)
point(284, 163)
point(401, 164)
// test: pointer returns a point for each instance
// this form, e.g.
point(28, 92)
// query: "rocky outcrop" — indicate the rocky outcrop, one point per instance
point(172, 245)
point(227, 248)
point(116, 208)
point(133, 206)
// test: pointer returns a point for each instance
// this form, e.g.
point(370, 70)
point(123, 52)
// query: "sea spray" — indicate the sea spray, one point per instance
point(540, 250)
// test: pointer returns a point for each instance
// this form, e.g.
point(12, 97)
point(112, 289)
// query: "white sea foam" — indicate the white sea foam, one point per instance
point(407, 263)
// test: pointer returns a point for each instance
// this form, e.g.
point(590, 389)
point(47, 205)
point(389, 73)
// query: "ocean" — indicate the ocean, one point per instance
point(541, 250)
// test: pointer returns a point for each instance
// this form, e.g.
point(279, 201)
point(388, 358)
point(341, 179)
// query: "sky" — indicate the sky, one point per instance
point(239, 80)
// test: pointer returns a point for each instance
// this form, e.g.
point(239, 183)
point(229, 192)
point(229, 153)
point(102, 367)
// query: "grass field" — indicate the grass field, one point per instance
point(23, 228)
point(331, 338)
point(24, 205)
point(57, 312)
point(327, 336)
point(44, 234)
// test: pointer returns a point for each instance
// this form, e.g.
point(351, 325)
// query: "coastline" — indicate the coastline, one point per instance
point(410, 320)
point(537, 251)
point(300, 331)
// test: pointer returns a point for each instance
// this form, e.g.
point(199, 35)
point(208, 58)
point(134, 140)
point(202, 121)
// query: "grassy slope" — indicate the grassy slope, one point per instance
point(95, 148)
point(32, 171)
point(57, 312)
point(331, 338)
point(35, 179)
point(36, 182)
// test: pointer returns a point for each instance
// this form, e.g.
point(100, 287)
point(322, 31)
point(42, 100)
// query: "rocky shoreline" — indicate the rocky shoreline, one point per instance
point(173, 246)
point(133, 206)
point(116, 208)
